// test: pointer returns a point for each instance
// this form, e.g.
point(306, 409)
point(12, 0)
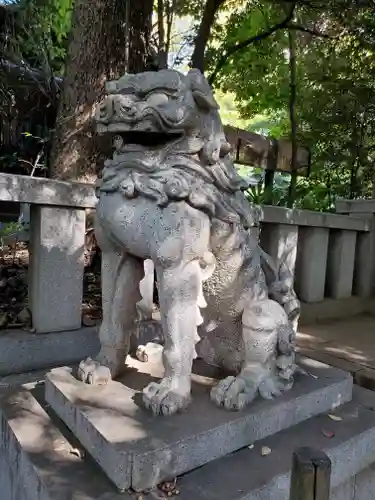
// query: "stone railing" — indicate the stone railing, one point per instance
point(331, 254)
point(56, 246)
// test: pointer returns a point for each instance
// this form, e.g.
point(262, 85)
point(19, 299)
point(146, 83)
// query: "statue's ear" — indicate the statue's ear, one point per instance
point(201, 90)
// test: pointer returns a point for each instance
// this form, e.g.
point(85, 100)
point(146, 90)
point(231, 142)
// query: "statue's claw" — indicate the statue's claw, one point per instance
point(269, 388)
point(107, 365)
point(161, 399)
point(234, 393)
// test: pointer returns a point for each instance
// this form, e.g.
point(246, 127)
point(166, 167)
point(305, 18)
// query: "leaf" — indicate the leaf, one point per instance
point(328, 433)
point(335, 418)
point(265, 451)
point(77, 452)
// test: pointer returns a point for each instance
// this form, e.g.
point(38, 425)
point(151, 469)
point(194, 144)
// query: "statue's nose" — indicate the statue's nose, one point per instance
point(126, 104)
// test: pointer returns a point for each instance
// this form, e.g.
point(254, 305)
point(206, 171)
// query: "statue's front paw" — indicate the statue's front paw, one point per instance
point(165, 398)
point(234, 393)
point(107, 365)
point(92, 372)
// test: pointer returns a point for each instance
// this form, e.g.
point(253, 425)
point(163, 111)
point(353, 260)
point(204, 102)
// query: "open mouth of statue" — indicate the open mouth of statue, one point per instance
point(145, 139)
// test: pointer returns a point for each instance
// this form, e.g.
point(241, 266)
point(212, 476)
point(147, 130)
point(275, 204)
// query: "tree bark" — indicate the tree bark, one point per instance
point(140, 26)
point(96, 53)
point(162, 56)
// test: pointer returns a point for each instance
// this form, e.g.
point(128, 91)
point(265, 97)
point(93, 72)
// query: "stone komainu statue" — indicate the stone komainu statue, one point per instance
point(171, 194)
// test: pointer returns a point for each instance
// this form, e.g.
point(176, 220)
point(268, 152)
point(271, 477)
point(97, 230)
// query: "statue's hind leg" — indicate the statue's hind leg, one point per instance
point(121, 274)
point(261, 321)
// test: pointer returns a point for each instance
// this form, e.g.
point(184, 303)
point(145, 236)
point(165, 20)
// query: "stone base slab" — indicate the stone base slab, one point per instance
point(137, 450)
point(39, 458)
point(21, 351)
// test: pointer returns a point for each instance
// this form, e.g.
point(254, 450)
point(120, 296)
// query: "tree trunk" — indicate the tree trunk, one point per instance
point(358, 139)
point(162, 55)
point(292, 117)
point(97, 51)
point(169, 10)
point(204, 31)
point(140, 26)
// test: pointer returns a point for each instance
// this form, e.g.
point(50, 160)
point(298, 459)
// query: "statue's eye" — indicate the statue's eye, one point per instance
point(157, 98)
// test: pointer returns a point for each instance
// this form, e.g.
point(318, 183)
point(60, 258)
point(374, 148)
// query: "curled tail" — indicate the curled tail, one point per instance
point(279, 279)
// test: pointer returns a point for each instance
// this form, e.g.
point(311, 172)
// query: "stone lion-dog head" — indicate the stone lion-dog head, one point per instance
point(170, 144)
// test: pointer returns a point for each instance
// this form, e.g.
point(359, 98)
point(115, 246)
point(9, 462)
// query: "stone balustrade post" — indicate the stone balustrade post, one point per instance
point(311, 263)
point(364, 265)
point(56, 267)
point(364, 269)
point(340, 263)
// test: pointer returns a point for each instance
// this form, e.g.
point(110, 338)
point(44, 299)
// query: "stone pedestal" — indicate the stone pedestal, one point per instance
point(56, 268)
point(311, 263)
point(135, 449)
point(40, 458)
point(340, 264)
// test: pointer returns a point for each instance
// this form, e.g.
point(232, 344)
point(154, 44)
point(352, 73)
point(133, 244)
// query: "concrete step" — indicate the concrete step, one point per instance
point(137, 450)
point(40, 459)
point(251, 476)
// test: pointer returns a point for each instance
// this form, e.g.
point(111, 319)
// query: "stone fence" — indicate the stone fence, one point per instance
point(56, 246)
point(332, 255)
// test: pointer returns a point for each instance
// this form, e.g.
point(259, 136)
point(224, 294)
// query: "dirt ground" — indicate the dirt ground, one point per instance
point(14, 312)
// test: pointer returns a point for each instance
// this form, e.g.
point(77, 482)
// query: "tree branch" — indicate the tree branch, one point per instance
point(297, 27)
point(210, 9)
point(169, 9)
point(245, 43)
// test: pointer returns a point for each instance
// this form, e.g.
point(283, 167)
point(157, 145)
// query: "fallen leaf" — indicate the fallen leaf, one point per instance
point(168, 486)
point(77, 452)
point(24, 316)
point(328, 433)
point(88, 320)
point(265, 451)
point(251, 446)
point(139, 497)
point(336, 418)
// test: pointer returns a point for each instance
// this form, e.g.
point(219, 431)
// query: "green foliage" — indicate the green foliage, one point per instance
point(335, 78)
point(9, 228)
point(258, 195)
point(335, 89)
point(40, 34)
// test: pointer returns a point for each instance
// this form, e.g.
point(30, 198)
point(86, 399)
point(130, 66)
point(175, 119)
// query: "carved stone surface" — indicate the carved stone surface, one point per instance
point(171, 194)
